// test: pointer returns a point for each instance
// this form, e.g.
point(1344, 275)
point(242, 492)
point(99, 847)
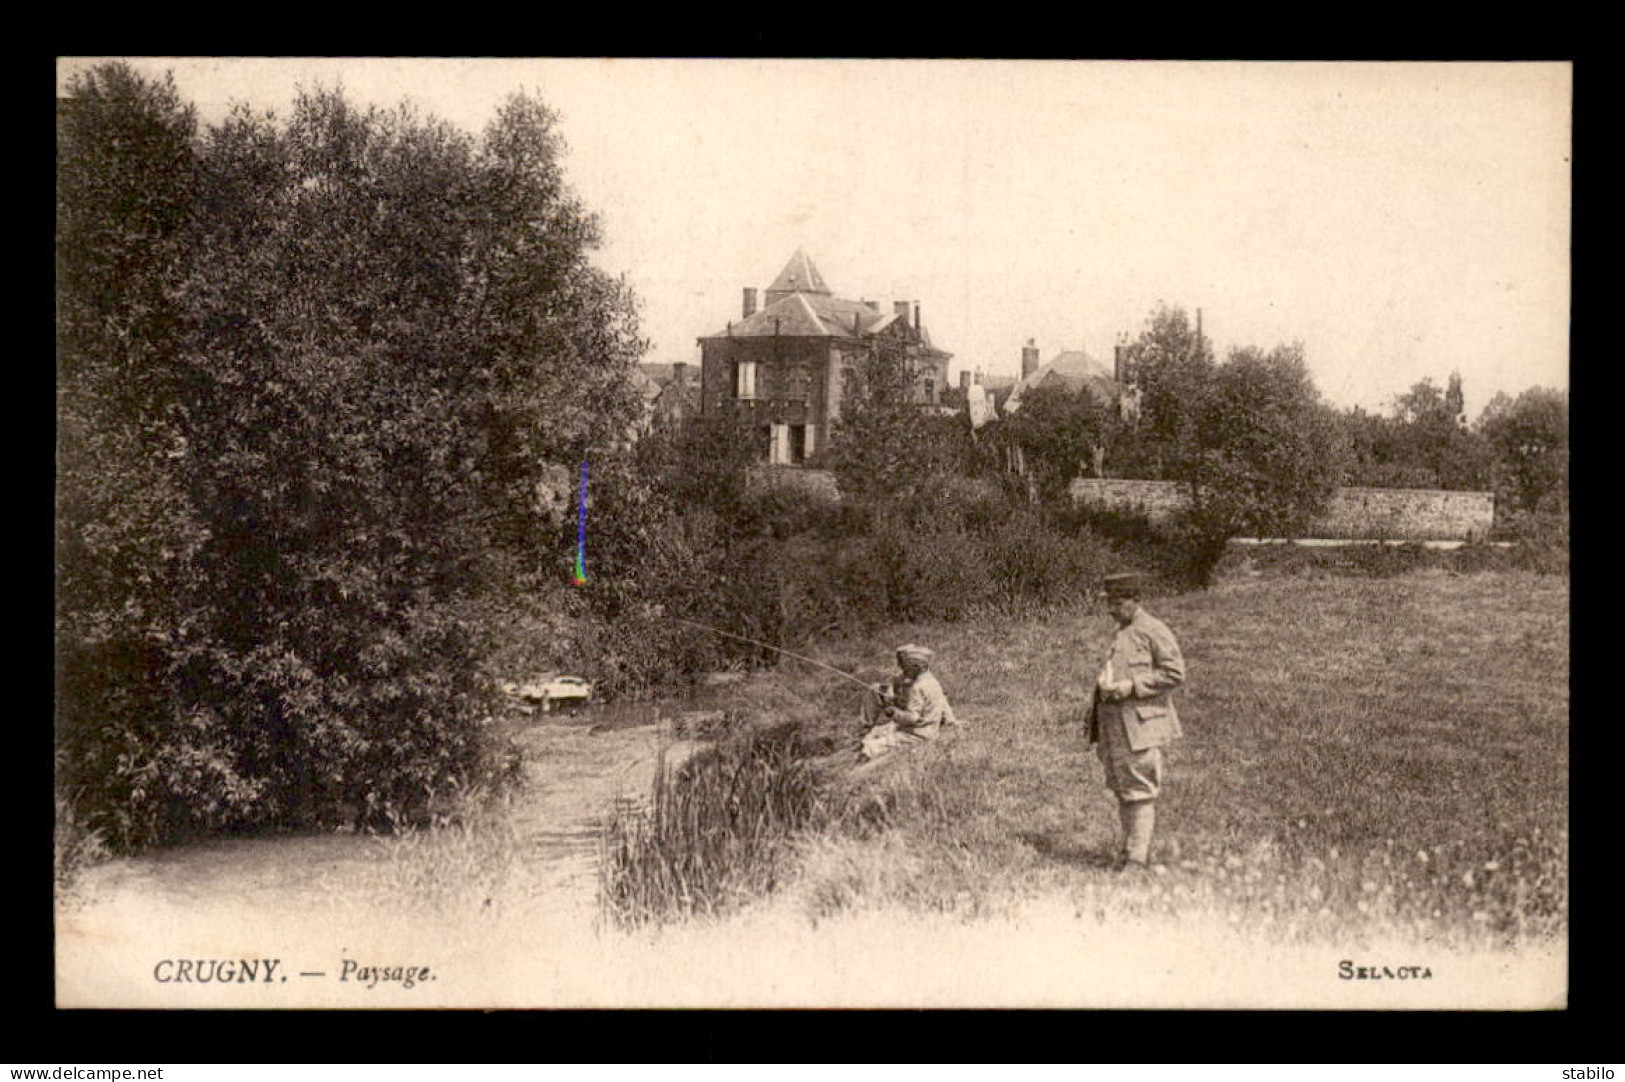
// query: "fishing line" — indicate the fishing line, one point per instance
point(770, 646)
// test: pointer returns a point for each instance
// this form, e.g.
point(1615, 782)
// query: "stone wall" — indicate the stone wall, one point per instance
point(1408, 514)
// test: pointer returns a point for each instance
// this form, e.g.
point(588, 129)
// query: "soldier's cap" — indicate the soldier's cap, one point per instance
point(1125, 584)
point(916, 653)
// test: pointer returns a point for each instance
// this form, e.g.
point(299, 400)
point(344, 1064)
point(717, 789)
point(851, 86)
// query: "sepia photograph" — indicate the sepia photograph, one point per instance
point(768, 533)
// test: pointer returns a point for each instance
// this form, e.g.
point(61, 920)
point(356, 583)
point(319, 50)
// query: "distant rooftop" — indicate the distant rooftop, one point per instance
point(799, 304)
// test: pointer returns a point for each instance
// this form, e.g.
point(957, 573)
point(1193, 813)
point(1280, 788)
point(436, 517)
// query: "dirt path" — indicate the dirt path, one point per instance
point(575, 777)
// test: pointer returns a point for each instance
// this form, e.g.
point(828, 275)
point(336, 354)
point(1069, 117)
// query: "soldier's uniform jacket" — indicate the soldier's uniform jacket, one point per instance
point(1146, 653)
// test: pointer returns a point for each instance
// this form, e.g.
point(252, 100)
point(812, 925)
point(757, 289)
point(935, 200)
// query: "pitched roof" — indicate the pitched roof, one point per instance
point(815, 315)
point(1071, 368)
point(645, 385)
point(799, 276)
point(800, 305)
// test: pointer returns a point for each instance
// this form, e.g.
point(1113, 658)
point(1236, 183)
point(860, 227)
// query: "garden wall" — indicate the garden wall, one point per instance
point(1408, 514)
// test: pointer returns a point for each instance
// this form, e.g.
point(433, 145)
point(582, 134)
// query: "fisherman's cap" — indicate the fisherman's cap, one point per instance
point(916, 653)
point(1123, 585)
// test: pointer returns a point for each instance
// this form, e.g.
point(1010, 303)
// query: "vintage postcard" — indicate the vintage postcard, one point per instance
point(790, 533)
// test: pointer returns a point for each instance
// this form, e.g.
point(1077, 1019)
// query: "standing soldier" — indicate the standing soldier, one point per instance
point(1132, 713)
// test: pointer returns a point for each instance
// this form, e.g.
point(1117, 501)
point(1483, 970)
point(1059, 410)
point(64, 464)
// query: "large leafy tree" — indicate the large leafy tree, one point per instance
point(1430, 439)
point(1529, 436)
point(1170, 366)
point(379, 330)
point(884, 448)
point(1266, 452)
point(1062, 432)
point(126, 171)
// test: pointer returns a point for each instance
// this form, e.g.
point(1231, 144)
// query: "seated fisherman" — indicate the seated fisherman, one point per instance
point(911, 708)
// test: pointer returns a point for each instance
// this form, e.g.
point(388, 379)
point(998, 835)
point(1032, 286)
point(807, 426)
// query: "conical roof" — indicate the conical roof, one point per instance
point(798, 276)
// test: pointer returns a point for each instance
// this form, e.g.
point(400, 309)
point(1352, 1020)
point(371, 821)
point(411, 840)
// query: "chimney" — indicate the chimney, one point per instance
point(1117, 362)
point(917, 323)
point(964, 379)
point(901, 308)
point(750, 302)
point(679, 375)
point(1029, 359)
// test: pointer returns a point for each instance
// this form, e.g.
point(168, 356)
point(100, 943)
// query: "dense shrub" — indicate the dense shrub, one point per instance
point(681, 581)
point(310, 372)
point(1180, 556)
point(1541, 540)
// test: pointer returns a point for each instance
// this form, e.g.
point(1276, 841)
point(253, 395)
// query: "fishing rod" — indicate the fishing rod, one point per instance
point(776, 649)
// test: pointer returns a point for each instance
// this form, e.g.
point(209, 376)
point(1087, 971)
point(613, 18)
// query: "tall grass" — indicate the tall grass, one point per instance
point(76, 848)
point(466, 859)
point(1364, 757)
point(716, 830)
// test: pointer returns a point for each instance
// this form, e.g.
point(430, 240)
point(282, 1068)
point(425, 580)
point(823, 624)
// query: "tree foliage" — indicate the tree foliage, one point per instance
point(1529, 436)
point(1265, 452)
point(1424, 442)
point(1062, 432)
point(1171, 365)
point(883, 448)
point(333, 354)
point(125, 532)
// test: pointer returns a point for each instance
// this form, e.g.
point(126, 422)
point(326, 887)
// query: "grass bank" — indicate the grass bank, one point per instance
point(1364, 759)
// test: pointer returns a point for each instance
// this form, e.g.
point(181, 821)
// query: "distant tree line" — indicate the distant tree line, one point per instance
point(1518, 447)
point(1260, 448)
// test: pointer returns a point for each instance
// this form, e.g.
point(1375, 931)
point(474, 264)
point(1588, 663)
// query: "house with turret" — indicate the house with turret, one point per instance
point(790, 363)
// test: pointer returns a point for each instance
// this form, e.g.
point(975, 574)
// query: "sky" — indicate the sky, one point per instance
point(1401, 220)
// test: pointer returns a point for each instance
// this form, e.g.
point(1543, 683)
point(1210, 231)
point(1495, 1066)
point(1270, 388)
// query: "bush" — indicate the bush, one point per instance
point(1540, 539)
point(306, 396)
point(1036, 563)
point(776, 567)
point(1182, 553)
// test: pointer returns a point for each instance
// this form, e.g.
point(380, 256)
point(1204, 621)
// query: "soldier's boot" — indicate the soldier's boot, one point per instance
point(1139, 818)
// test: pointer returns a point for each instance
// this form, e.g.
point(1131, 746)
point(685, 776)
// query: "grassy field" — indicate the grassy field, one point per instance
point(1374, 769)
point(1364, 759)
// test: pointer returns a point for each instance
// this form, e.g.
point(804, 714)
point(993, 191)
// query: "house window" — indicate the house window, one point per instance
point(798, 443)
point(745, 379)
point(797, 382)
point(930, 389)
